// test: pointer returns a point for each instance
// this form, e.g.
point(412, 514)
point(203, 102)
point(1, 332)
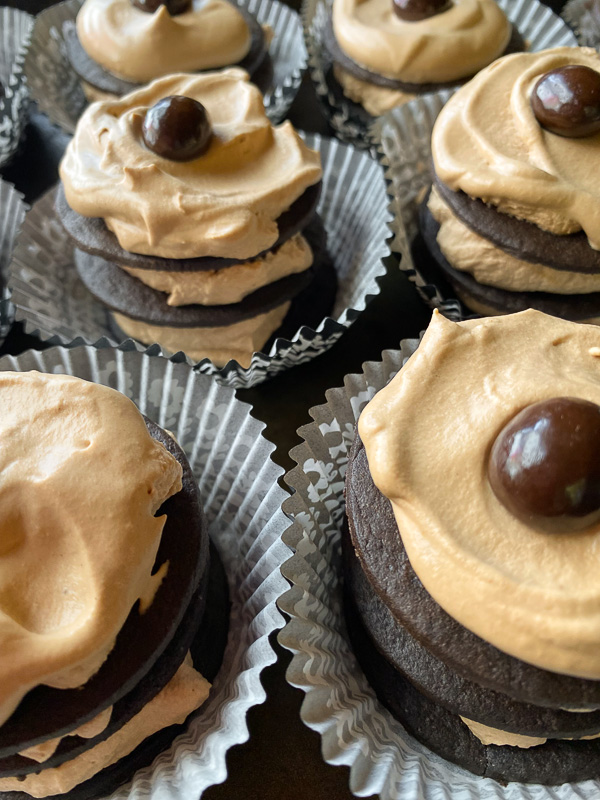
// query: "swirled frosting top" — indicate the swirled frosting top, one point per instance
point(487, 142)
point(139, 46)
point(223, 203)
point(80, 481)
point(428, 435)
point(443, 48)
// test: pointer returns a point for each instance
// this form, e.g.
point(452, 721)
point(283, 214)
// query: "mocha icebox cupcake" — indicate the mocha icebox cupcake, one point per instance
point(114, 609)
point(385, 52)
point(470, 560)
point(194, 222)
point(513, 217)
point(116, 46)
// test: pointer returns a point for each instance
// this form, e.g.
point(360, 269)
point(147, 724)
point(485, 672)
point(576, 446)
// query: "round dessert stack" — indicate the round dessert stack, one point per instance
point(116, 46)
point(513, 216)
point(113, 604)
point(387, 51)
point(471, 562)
point(194, 218)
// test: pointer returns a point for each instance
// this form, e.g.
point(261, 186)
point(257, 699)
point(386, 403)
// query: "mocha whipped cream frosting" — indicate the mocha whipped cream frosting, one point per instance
point(451, 45)
point(488, 143)
point(80, 482)
point(428, 435)
point(139, 46)
point(224, 203)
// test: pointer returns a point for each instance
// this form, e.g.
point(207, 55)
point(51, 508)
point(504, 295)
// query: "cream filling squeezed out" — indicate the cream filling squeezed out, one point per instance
point(186, 691)
point(232, 284)
point(238, 341)
point(489, 265)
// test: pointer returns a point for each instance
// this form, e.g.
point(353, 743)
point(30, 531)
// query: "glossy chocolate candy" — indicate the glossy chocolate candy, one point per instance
point(545, 463)
point(415, 10)
point(174, 7)
point(566, 101)
point(177, 128)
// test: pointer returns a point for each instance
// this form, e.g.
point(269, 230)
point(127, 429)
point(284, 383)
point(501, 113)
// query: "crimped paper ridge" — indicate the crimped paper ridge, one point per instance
point(538, 25)
point(238, 484)
point(12, 212)
point(15, 30)
point(57, 90)
point(356, 730)
point(356, 212)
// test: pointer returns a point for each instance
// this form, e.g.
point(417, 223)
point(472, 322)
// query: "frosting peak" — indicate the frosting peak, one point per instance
point(445, 47)
point(80, 481)
point(139, 47)
point(488, 143)
point(428, 436)
point(224, 203)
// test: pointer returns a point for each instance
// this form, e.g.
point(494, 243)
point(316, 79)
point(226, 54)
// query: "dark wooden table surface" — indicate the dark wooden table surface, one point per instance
point(282, 759)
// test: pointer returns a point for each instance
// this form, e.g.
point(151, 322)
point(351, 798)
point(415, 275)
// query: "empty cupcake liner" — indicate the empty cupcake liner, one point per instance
point(12, 212)
point(538, 25)
point(15, 32)
point(354, 207)
point(356, 730)
point(57, 90)
point(238, 485)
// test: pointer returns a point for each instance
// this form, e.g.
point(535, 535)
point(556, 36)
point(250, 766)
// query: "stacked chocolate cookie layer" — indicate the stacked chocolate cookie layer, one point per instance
point(431, 672)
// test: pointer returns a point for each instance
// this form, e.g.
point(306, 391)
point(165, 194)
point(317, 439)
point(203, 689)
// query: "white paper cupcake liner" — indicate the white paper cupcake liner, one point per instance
point(584, 17)
point(238, 486)
point(12, 212)
point(356, 730)
point(538, 25)
point(354, 207)
point(15, 31)
point(57, 90)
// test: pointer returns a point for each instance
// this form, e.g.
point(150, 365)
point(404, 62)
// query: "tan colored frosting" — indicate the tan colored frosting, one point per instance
point(488, 735)
point(489, 311)
point(225, 286)
point(92, 94)
point(80, 482)
point(224, 203)
point(469, 252)
point(374, 99)
point(43, 751)
point(184, 693)
point(443, 48)
point(140, 47)
point(237, 342)
point(428, 435)
point(487, 142)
